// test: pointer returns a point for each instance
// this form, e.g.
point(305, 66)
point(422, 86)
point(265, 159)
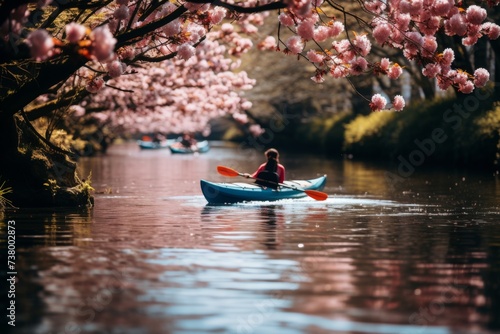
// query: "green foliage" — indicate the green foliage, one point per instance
point(459, 131)
point(323, 134)
point(85, 185)
point(489, 129)
point(52, 185)
point(489, 123)
point(463, 126)
point(368, 134)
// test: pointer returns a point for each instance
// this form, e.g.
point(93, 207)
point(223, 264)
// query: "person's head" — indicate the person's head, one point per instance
point(272, 153)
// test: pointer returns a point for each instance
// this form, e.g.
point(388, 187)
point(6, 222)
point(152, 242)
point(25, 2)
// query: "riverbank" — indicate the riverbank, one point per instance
point(461, 132)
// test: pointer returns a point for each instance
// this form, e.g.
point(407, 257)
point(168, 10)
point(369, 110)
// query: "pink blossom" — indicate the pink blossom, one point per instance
point(456, 25)
point(394, 72)
point(359, 66)
point(398, 103)
point(402, 22)
point(185, 51)
point(164, 50)
point(295, 44)
point(448, 56)
point(381, 33)
point(410, 7)
point(375, 6)
point(196, 31)
point(286, 20)
point(240, 118)
point(474, 30)
point(269, 43)
point(306, 30)
point(113, 24)
point(319, 77)
point(431, 70)
point(77, 110)
point(122, 13)
point(166, 9)
point(481, 77)
point(127, 53)
point(335, 29)
point(256, 130)
point(444, 83)
point(339, 72)
point(116, 68)
point(227, 28)
point(103, 43)
point(475, 14)
point(172, 28)
point(414, 41)
point(341, 46)
point(404, 6)
point(466, 87)
point(460, 78)
point(193, 7)
point(384, 64)
point(94, 85)
point(41, 44)
point(491, 29)
point(75, 32)
point(301, 8)
point(430, 26)
point(245, 105)
point(314, 56)
point(321, 33)
point(469, 40)
point(416, 7)
point(217, 15)
point(378, 102)
point(442, 7)
point(429, 46)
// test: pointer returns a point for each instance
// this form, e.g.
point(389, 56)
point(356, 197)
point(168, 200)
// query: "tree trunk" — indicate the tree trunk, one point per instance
point(38, 175)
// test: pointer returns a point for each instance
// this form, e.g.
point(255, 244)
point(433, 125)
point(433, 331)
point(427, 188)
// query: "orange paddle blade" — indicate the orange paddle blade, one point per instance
point(226, 171)
point(317, 195)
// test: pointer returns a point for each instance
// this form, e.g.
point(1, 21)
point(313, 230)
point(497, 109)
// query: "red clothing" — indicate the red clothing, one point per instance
point(281, 171)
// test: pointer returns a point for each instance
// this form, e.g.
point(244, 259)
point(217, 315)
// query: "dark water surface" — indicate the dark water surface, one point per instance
point(419, 254)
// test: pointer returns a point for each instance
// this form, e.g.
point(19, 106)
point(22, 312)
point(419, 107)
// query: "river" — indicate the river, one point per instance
point(385, 253)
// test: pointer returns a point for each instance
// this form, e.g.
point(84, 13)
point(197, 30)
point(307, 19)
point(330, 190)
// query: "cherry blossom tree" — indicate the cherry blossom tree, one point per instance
point(176, 95)
point(64, 50)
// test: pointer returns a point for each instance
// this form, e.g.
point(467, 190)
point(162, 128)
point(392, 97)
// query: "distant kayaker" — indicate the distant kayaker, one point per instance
point(271, 171)
point(188, 141)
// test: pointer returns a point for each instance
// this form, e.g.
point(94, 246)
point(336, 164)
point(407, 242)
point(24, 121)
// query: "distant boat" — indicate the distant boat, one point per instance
point(199, 147)
point(155, 145)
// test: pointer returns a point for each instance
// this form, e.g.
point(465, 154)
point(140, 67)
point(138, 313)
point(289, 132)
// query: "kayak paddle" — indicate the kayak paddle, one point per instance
point(317, 195)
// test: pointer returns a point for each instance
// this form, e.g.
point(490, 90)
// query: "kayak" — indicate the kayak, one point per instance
point(151, 145)
point(200, 147)
point(220, 193)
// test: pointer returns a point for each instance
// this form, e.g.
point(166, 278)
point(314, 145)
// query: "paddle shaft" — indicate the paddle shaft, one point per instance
point(317, 195)
point(267, 181)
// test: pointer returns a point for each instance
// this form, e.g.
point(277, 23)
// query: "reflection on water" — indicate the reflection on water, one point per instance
point(153, 257)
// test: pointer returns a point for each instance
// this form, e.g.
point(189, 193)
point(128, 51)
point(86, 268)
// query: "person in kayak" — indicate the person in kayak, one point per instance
point(270, 173)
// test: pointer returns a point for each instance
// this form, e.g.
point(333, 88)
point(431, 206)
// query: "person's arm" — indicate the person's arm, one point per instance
point(260, 169)
point(281, 173)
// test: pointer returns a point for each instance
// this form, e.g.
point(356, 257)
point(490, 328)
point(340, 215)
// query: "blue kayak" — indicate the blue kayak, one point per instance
point(151, 145)
point(220, 193)
point(200, 147)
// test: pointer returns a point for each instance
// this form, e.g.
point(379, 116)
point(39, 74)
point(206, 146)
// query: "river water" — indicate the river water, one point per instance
point(383, 254)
